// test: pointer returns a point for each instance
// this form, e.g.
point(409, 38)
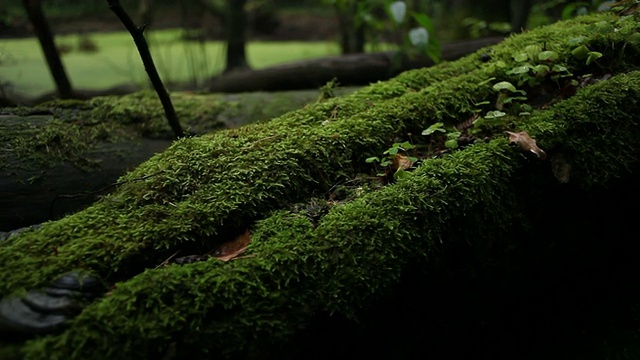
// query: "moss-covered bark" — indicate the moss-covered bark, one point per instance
point(205, 190)
point(59, 157)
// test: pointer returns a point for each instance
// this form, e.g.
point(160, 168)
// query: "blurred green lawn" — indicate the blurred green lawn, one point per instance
point(117, 61)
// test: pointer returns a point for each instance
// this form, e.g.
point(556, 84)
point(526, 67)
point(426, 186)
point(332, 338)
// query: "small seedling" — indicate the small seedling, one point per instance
point(437, 127)
point(452, 136)
point(393, 157)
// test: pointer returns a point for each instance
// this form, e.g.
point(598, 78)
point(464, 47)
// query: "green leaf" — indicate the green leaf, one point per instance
point(372, 159)
point(494, 114)
point(504, 85)
point(593, 56)
point(478, 122)
point(581, 52)
point(559, 68)
point(433, 128)
point(521, 69)
point(510, 99)
point(520, 57)
point(540, 70)
point(486, 81)
point(407, 145)
point(425, 21)
point(453, 135)
point(391, 151)
point(401, 174)
point(434, 50)
point(451, 144)
point(533, 51)
point(548, 56)
point(634, 38)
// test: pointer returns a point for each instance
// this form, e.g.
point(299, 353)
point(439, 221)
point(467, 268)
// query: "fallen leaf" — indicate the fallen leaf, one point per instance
point(233, 248)
point(526, 143)
point(401, 162)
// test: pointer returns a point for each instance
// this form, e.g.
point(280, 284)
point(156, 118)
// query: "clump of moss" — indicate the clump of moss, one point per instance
point(53, 142)
point(144, 111)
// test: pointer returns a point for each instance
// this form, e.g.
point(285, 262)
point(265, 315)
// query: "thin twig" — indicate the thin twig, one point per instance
point(147, 60)
point(168, 259)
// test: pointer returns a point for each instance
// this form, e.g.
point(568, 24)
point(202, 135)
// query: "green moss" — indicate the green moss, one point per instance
point(607, 116)
point(144, 111)
point(62, 131)
point(46, 141)
point(204, 190)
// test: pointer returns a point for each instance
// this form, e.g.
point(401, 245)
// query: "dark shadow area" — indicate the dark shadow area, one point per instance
point(563, 289)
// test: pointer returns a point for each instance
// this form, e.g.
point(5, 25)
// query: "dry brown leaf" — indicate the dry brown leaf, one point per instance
point(401, 162)
point(233, 248)
point(526, 143)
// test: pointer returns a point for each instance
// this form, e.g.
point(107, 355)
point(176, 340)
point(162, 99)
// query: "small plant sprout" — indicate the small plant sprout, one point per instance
point(505, 90)
point(583, 53)
point(535, 64)
point(494, 114)
point(451, 137)
point(397, 157)
point(452, 140)
point(437, 127)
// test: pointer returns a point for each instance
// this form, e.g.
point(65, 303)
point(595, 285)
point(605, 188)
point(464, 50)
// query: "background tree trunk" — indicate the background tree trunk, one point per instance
point(352, 33)
point(45, 37)
point(236, 38)
point(519, 14)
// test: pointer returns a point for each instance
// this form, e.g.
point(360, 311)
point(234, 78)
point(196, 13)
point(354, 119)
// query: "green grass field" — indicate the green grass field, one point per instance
point(117, 62)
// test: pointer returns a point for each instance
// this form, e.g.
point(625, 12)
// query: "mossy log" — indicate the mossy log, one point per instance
point(206, 190)
point(350, 69)
point(62, 155)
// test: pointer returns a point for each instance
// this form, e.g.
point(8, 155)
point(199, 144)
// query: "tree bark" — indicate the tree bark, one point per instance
point(519, 14)
point(352, 33)
point(32, 193)
point(236, 24)
point(354, 69)
point(45, 37)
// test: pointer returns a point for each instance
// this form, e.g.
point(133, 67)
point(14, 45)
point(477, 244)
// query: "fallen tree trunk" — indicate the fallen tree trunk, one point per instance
point(204, 191)
point(351, 69)
point(61, 156)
